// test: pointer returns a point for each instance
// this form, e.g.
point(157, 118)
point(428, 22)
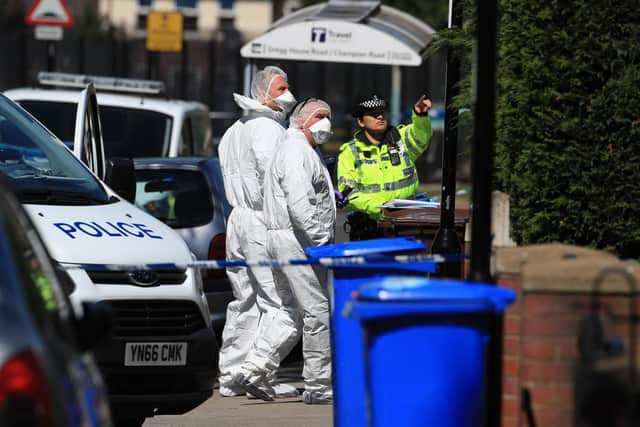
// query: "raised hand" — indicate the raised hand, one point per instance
point(423, 105)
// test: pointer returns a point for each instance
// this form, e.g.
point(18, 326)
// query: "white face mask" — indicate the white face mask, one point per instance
point(321, 131)
point(286, 101)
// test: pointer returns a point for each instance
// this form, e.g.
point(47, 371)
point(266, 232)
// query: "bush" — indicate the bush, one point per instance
point(568, 122)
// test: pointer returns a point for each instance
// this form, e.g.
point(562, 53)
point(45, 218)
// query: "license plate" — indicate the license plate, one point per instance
point(155, 354)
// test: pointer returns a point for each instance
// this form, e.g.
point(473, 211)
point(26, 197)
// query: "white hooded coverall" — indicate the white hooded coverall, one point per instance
point(299, 209)
point(257, 334)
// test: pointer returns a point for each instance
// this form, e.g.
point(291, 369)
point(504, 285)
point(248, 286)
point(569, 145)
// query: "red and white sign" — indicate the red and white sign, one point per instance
point(49, 12)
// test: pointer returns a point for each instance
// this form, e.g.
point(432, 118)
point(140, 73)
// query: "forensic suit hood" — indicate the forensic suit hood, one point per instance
point(252, 139)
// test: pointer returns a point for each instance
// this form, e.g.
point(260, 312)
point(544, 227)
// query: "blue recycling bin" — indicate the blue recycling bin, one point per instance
point(426, 343)
point(349, 406)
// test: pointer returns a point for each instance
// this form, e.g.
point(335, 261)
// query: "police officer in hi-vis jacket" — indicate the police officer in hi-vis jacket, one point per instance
point(378, 164)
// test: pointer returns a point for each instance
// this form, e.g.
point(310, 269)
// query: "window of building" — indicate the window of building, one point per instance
point(189, 9)
point(192, 4)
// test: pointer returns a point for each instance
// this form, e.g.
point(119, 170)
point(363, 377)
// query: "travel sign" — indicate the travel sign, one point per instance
point(331, 41)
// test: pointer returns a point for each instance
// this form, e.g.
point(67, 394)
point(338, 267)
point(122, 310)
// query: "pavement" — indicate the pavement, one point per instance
point(242, 412)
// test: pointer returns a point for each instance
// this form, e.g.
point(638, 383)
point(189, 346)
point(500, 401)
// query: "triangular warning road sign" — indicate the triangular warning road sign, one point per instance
point(49, 12)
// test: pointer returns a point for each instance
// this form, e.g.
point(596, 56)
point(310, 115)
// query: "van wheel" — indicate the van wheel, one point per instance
point(129, 421)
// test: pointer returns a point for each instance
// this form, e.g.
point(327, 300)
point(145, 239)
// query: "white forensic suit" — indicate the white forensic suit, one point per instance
point(257, 334)
point(299, 209)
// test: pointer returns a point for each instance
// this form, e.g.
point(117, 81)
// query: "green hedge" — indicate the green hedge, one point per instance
point(568, 122)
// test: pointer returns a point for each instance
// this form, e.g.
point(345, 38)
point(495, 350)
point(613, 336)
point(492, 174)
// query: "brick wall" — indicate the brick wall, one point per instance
point(554, 285)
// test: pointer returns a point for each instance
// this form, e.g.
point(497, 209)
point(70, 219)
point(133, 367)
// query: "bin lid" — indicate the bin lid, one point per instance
point(366, 247)
point(407, 289)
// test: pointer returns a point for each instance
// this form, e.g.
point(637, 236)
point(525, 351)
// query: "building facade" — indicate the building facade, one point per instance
point(201, 17)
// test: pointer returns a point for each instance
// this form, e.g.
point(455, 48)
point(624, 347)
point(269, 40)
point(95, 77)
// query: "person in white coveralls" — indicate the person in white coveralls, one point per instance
point(257, 334)
point(300, 211)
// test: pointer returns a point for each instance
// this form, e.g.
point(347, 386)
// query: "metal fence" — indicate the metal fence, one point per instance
point(210, 70)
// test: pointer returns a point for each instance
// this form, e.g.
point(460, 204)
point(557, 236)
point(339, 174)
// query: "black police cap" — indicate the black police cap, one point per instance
point(371, 102)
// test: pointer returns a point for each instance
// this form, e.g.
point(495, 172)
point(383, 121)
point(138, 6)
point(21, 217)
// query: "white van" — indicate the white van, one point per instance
point(162, 355)
point(137, 120)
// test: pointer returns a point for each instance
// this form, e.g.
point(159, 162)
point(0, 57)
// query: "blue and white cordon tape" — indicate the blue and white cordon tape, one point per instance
point(324, 261)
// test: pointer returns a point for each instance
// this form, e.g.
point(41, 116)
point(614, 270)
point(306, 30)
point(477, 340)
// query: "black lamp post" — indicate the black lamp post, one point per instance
point(446, 240)
point(483, 137)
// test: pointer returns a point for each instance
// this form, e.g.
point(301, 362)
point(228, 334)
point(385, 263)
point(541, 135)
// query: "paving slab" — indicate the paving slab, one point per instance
point(242, 412)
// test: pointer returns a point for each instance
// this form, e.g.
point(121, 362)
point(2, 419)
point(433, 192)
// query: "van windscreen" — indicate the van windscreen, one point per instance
point(38, 167)
point(127, 132)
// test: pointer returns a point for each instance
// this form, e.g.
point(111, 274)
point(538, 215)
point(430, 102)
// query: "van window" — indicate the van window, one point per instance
point(58, 117)
point(127, 132)
point(39, 168)
point(175, 197)
point(186, 139)
point(130, 132)
point(201, 131)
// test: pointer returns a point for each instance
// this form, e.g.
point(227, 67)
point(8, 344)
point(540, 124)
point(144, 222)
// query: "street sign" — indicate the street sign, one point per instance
point(331, 41)
point(49, 12)
point(164, 31)
point(48, 32)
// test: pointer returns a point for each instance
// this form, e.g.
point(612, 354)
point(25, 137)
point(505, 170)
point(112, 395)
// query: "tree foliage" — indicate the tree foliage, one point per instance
point(433, 13)
point(568, 122)
point(568, 119)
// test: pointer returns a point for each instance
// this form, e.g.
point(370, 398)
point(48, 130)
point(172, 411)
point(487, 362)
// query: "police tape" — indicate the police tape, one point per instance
point(384, 261)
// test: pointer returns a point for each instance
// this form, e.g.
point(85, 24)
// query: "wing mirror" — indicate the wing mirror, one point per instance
point(121, 178)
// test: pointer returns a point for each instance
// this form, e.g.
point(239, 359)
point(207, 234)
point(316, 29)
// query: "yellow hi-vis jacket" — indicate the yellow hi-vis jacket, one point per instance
point(367, 168)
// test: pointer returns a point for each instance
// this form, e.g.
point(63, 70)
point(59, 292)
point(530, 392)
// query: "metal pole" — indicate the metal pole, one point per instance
point(483, 137)
point(184, 70)
point(249, 71)
point(22, 76)
point(446, 240)
point(213, 50)
point(81, 53)
point(396, 91)
point(149, 64)
point(51, 55)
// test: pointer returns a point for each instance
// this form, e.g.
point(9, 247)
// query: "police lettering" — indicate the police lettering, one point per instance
point(107, 229)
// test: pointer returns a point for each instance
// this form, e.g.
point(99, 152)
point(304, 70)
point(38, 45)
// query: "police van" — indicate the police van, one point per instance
point(137, 120)
point(162, 355)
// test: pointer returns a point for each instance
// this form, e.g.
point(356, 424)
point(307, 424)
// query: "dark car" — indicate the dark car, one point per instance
point(47, 376)
point(187, 193)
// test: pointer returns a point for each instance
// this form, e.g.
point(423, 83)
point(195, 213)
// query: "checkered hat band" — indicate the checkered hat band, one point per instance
point(373, 103)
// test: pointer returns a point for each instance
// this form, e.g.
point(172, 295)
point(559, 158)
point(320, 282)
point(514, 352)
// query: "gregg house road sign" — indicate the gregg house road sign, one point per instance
point(331, 41)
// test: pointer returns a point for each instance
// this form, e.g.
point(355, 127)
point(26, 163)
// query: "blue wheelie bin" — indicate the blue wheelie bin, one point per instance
point(349, 408)
point(426, 344)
